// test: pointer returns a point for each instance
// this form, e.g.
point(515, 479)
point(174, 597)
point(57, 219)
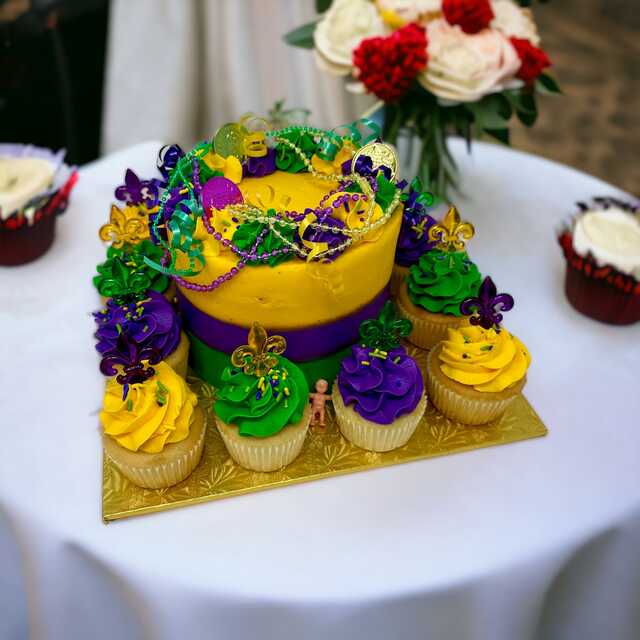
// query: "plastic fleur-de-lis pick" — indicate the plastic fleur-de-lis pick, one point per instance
point(257, 357)
point(126, 226)
point(452, 233)
point(486, 309)
point(386, 331)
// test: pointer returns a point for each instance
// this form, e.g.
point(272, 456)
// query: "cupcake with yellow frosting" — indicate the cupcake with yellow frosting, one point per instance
point(153, 430)
point(435, 287)
point(475, 373)
point(262, 410)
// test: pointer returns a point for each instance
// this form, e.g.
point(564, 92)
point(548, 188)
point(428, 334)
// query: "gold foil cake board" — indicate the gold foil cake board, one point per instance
point(325, 454)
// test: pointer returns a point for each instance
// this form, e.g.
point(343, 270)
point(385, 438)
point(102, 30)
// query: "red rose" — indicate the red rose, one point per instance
point(532, 60)
point(388, 66)
point(471, 15)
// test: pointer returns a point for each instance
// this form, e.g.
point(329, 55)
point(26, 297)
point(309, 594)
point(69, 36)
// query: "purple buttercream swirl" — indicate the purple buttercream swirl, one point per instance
point(382, 390)
point(259, 167)
point(151, 323)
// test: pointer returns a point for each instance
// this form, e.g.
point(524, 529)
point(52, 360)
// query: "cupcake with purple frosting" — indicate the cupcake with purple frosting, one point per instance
point(413, 240)
point(151, 323)
point(378, 396)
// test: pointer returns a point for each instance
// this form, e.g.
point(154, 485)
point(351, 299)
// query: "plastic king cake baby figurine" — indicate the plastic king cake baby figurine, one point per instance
point(318, 401)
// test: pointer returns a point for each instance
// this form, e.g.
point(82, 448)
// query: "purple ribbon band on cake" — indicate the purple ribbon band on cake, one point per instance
point(305, 344)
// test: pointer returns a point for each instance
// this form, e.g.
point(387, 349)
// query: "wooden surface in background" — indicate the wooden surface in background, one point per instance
point(595, 126)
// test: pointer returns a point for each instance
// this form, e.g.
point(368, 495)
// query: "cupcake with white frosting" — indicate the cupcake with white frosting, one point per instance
point(35, 184)
point(601, 245)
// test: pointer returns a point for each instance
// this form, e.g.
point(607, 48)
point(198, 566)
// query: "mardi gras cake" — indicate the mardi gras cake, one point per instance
point(297, 228)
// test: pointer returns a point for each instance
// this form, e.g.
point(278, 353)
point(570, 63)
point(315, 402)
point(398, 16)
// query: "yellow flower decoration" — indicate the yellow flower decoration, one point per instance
point(230, 166)
point(129, 225)
point(257, 357)
point(451, 234)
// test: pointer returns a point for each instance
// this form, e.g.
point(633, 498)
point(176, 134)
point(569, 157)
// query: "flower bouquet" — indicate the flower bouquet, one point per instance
point(439, 67)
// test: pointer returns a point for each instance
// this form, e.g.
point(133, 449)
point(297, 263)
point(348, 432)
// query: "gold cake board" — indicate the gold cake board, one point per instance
point(325, 454)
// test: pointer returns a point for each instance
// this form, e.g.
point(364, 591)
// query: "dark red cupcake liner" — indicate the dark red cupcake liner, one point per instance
point(22, 242)
point(599, 292)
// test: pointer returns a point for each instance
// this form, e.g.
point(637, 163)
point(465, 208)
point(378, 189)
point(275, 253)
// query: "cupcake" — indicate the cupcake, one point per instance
point(432, 293)
point(262, 410)
point(35, 185)
point(151, 322)
point(475, 374)
point(601, 245)
point(378, 396)
point(413, 240)
point(153, 430)
point(125, 272)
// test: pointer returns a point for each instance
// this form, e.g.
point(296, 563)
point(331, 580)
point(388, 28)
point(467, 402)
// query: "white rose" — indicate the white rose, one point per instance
point(465, 68)
point(342, 28)
point(514, 21)
point(410, 10)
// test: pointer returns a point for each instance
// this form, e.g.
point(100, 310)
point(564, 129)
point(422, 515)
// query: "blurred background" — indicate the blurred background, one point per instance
point(95, 76)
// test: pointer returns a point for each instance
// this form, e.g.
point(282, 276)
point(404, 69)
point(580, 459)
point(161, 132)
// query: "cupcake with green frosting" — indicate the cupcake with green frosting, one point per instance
point(262, 410)
point(432, 293)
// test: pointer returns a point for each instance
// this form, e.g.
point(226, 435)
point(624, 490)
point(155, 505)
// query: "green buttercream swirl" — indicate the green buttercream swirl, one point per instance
point(442, 280)
point(262, 409)
point(125, 273)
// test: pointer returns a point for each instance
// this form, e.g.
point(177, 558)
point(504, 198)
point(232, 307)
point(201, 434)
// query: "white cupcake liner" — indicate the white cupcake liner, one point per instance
point(164, 474)
point(371, 435)
point(265, 454)
point(460, 408)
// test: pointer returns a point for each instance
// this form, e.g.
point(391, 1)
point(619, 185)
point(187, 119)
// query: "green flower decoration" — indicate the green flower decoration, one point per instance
point(286, 158)
point(386, 331)
point(124, 275)
point(247, 233)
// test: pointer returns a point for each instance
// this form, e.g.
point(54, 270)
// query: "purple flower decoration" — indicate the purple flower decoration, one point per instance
point(364, 167)
point(488, 306)
point(259, 167)
point(168, 158)
point(318, 235)
point(413, 240)
point(136, 191)
point(152, 322)
point(131, 357)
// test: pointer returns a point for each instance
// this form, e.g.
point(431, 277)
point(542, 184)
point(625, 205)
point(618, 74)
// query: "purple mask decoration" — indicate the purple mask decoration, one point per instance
point(136, 191)
point(130, 356)
point(218, 192)
point(485, 310)
point(168, 158)
point(259, 167)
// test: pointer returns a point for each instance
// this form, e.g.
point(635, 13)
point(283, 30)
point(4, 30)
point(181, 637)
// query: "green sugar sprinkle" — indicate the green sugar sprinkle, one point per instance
point(129, 404)
point(486, 347)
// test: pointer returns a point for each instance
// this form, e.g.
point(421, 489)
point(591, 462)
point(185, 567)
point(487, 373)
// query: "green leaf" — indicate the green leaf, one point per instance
point(546, 84)
point(499, 134)
point(322, 5)
point(302, 36)
point(528, 118)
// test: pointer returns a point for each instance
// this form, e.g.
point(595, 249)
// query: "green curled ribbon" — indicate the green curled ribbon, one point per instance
point(386, 331)
point(424, 198)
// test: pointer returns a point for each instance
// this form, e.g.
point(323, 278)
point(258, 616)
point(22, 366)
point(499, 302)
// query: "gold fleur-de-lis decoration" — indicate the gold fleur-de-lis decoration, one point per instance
point(257, 357)
point(129, 225)
point(452, 233)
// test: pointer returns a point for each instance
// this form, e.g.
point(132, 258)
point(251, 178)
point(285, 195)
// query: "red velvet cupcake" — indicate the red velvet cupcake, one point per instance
point(602, 247)
point(35, 185)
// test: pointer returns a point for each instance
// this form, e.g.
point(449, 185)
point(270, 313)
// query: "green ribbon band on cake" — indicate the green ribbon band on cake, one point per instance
point(442, 280)
point(261, 406)
point(208, 364)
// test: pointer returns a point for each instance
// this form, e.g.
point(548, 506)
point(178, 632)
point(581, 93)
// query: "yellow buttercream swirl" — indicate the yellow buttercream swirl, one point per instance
point(155, 413)
point(485, 359)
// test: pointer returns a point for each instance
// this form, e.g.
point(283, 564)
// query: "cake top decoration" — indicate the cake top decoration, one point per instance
point(452, 233)
point(133, 361)
point(486, 309)
point(385, 332)
point(137, 192)
point(129, 225)
point(260, 355)
point(381, 155)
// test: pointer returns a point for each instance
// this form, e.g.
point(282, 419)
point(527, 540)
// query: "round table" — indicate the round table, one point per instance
point(537, 539)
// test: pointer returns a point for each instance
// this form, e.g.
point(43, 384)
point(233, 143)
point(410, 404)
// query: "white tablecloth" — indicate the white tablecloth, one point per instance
point(528, 541)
